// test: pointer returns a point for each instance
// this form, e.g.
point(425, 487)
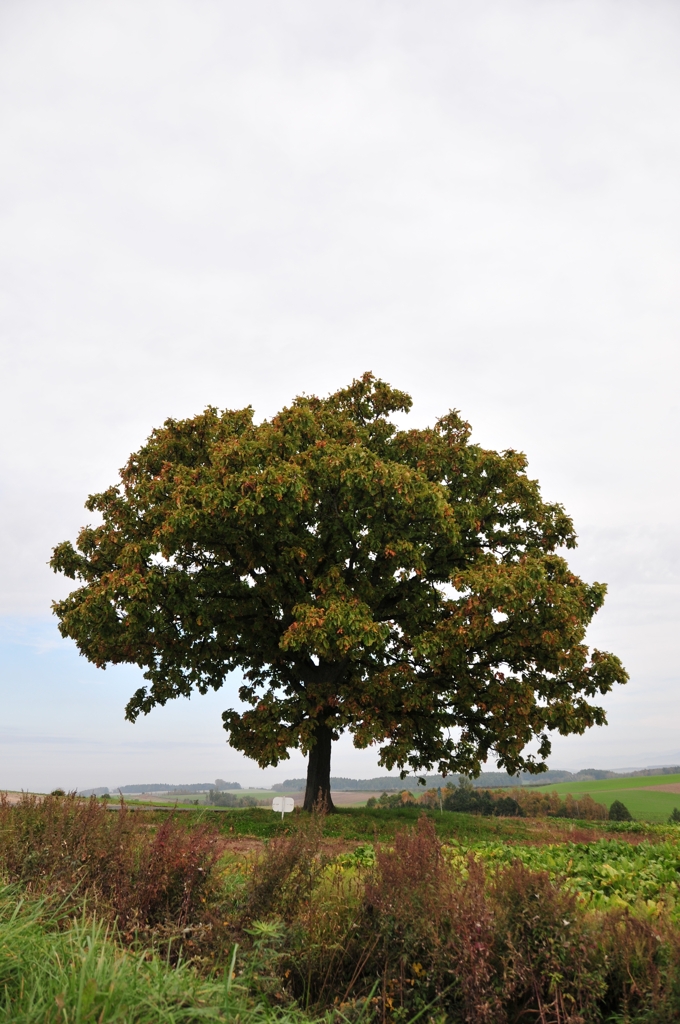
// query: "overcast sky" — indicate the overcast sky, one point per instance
point(230, 203)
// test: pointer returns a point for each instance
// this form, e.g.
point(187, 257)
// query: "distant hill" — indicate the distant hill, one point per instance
point(645, 772)
point(487, 780)
point(394, 783)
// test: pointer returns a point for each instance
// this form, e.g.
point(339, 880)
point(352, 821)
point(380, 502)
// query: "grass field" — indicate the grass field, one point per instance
point(644, 804)
point(359, 824)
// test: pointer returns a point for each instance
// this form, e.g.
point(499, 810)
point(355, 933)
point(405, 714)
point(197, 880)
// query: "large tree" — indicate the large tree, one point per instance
point(402, 585)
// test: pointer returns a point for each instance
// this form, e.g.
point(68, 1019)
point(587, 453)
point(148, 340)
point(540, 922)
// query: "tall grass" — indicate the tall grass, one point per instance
point(141, 876)
point(60, 970)
point(415, 932)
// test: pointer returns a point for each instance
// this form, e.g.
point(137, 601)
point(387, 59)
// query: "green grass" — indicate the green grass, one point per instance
point(73, 971)
point(643, 804)
point(607, 785)
point(359, 824)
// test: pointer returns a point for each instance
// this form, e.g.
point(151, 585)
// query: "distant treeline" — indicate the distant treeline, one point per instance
point(520, 802)
point(487, 780)
point(392, 783)
point(164, 787)
point(222, 799)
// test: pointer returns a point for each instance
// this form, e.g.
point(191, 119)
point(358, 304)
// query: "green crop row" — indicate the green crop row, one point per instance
point(607, 873)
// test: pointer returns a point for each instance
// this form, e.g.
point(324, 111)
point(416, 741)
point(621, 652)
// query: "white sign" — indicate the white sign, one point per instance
point(284, 804)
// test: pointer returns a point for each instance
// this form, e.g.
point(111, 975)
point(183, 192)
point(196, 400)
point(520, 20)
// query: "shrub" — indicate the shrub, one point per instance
point(283, 878)
point(77, 847)
point(57, 967)
point(410, 877)
point(619, 812)
point(472, 948)
point(413, 932)
point(480, 801)
point(467, 799)
point(326, 954)
point(405, 932)
point(642, 968)
point(536, 803)
point(220, 799)
point(376, 928)
point(392, 800)
point(583, 808)
point(674, 818)
point(550, 961)
point(526, 801)
point(507, 807)
point(407, 919)
point(430, 798)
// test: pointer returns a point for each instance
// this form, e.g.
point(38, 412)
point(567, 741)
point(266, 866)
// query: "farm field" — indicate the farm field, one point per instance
point(361, 824)
point(357, 824)
point(643, 801)
point(341, 798)
point(648, 798)
point(144, 915)
point(183, 801)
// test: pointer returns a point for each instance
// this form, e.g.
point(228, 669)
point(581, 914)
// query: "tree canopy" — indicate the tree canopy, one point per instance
point(402, 585)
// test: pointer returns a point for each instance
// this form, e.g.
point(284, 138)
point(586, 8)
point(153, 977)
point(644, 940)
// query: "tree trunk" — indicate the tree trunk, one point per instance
point(318, 791)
